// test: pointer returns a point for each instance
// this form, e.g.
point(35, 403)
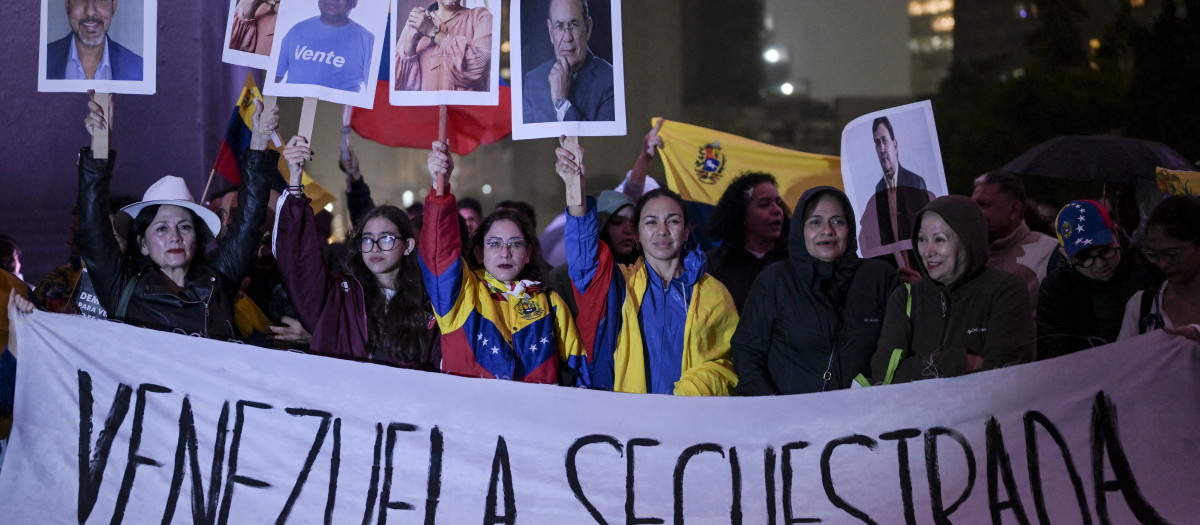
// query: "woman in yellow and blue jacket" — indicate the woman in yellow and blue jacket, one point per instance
point(661, 325)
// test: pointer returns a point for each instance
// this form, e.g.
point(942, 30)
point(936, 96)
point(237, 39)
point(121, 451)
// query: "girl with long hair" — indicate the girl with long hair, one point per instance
point(377, 310)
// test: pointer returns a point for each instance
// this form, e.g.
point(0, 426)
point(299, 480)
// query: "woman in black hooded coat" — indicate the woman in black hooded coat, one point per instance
point(811, 323)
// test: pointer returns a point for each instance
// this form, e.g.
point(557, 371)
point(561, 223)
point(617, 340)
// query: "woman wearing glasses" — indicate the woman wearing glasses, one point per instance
point(498, 321)
point(661, 325)
point(1081, 303)
point(378, 309)
point(1172, 232)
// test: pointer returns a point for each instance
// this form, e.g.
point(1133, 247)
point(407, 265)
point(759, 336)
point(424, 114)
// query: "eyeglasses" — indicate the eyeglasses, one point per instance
point(1167, 256)
point(385, 243)
point(572, 26)
point(496, 246)
point(1087, 261)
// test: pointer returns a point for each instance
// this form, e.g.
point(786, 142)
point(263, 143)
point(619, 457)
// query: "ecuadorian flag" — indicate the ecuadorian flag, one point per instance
point(237, 139)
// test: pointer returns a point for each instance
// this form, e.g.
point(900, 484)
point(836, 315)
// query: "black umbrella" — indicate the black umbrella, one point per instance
point(1098, 158)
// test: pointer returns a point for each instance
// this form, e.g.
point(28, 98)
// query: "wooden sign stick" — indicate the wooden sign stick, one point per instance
point(308, 114)
point(347, 110)
point(574, 191)
point(441, 178)
point(101, 141)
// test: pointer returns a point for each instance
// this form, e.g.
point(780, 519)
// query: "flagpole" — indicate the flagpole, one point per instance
point(204, 194)
point(441, 178)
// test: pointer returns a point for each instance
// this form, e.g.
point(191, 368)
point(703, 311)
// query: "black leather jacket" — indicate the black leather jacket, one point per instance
point(205, 305)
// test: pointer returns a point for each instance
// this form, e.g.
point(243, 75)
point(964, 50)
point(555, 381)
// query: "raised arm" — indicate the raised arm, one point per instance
point(596, 282)
point(358, 193)
point(94, 238)
point(297, 244)
point(635, 186)
point(441, 243)
point(236, 252)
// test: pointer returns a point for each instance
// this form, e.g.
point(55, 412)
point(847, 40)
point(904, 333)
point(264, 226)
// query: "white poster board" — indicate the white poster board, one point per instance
point(114, 421)
point(336, 62)
point(911, 143)
point(248, 39)
point(594, 104)
point(460, 65)
point(124, 39)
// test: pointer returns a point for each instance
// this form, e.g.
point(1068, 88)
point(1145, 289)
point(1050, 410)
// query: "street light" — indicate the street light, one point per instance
point(787, 88)
point(771, 55)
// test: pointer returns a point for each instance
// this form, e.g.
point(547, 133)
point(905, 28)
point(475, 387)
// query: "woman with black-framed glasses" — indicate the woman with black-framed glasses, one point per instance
point(1172, 233)
point(498, 321)
point(1082, 303)
point(377, 310)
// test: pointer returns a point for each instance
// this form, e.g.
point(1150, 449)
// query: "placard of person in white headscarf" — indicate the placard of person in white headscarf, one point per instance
point(886, 187)
point(568, 68)
point(445, 52)
point(329, 49)
point(90, 44)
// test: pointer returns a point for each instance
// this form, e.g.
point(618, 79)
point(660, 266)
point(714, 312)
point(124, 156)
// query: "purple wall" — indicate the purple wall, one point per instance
point(177, 131)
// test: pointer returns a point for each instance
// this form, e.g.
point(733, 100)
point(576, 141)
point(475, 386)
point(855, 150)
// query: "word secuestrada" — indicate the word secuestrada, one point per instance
point(499, 507)
point(324, 57)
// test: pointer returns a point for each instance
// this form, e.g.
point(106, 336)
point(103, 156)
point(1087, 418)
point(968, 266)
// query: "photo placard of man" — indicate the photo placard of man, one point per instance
point(575, 85)
point(328, 50)
point(900, 193)
point(88, 53)
point(445, 47)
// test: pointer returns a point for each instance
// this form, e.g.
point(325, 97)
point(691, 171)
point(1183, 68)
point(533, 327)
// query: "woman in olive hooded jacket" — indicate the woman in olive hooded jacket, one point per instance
point(961, 317)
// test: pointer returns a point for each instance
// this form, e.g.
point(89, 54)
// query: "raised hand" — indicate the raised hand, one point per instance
point(95, 121)
point(296, 153)
point(440, 164)
point(652, 142)
point(349, 165)
point(570, 167)
point(263, 125)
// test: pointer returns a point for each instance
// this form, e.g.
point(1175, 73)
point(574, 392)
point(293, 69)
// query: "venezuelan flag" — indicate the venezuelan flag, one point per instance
point(701, 162)
point(237, 139)
point(1175, 182)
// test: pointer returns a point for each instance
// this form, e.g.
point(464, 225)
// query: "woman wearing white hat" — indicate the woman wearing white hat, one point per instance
point(165, 282)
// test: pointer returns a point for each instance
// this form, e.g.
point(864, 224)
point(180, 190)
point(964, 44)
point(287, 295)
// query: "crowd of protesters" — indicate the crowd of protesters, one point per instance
point(783, 304)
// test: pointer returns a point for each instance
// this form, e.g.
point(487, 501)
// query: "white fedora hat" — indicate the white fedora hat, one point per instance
point(168, 190)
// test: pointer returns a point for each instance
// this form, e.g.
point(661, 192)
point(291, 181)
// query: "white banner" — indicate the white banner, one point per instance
point(120, 424)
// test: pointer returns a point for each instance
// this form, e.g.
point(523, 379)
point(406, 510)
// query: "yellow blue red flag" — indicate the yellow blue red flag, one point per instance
point(237, 139)
point(701, 162)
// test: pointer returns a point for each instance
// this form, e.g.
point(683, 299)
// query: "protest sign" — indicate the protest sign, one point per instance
point(101, 48)
point(568, 69)
point(327, 50)
point(250, 33)
point(891, 168)
point(445, 55)
point(114, 424)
